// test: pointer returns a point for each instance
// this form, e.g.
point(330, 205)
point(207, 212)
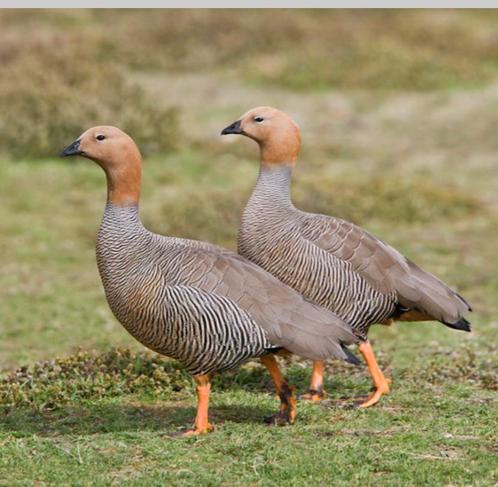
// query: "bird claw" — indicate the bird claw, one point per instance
point(287, 413)
point(374, 398)
point(312, 395)
point(198, 431)
point(281, 418)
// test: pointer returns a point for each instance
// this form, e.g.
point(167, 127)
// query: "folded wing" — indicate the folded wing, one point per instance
point(386, 270)
point(287, 318)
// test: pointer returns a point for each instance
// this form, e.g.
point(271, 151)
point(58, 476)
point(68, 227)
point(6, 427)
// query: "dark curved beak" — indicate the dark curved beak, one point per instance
point(235, 128)
point(72, 150)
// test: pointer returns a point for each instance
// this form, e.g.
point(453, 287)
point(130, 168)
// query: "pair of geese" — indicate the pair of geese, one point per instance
point(302, 283)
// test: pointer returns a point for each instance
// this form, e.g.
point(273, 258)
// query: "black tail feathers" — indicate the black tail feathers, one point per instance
point(461, 298)
point(461, 324)
point(350, 356)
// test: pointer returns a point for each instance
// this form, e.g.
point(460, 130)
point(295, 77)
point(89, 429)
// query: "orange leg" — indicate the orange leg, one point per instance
point(202, 425)
point(316, 392)
point(287, 412)
point(380, 382)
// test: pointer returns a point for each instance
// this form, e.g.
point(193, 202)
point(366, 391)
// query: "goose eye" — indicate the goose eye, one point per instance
point(258, 119)
point(100, 137)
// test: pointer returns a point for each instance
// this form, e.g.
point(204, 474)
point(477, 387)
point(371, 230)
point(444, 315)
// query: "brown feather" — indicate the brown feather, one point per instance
point(386, 270)
point(290, 321)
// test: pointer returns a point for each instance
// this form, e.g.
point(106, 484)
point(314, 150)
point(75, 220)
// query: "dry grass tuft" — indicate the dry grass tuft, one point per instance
point(385, 199)
point(54, 88)
point(84, 375)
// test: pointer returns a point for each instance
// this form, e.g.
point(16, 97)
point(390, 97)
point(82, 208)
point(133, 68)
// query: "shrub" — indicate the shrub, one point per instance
point(385, 199)
point(85, 375)
point(52, 91)
point(304, 50)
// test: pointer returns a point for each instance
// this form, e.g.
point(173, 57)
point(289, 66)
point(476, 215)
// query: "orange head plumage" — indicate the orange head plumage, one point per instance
point(119, 157)
point(277, 135)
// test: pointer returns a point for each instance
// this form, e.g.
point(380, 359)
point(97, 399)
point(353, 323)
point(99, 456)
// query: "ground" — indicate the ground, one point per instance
point(414, 164)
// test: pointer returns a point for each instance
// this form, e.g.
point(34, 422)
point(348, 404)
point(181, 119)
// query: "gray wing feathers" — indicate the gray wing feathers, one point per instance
point(384, 268)
point(312, 335)
point(287, 318)
point(427, 293)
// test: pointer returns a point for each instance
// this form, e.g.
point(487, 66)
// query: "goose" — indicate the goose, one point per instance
point(330, 261)
point(198, 303)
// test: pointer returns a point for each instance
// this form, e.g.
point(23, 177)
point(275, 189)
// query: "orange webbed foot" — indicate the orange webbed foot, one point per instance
point(374, 398)
point(381, 384)
point(283, 417)
point(288, 410)
point(198, 431)
point(313, 395)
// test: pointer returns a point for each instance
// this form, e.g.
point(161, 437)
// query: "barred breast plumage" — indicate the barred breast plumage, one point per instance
point(165, 290)
point(198, 303)
point(331, 262)
point(152, 288)
point(282, 240)
point(154, 284)
point(336, 264)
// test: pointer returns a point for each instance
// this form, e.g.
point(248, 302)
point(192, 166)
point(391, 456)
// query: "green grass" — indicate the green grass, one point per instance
point(81, 420)
point(429, 431)
point(399, 137)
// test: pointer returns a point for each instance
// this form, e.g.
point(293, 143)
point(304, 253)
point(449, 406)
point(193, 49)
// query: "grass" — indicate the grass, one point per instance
point(430, 432)
point(112, 420)
point(400, 138)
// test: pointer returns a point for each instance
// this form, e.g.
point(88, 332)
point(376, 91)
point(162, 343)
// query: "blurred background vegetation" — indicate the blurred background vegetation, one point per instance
point(398, 111)
point(66, 69)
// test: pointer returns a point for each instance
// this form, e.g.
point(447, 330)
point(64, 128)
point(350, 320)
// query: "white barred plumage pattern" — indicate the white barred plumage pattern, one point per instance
point(149, 281)
point(279, 238)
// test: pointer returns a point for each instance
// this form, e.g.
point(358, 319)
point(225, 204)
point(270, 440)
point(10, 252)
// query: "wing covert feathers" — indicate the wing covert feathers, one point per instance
point(288, 319)
point(387, 270)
